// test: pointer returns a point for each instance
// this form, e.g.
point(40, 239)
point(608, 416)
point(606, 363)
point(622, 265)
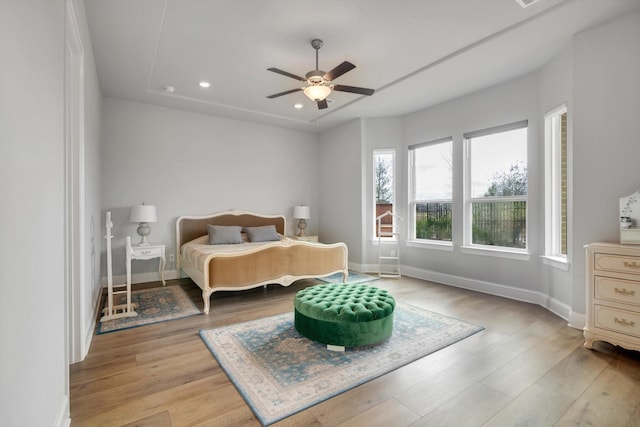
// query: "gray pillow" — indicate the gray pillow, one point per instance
point(224, 234)
point(265, 233)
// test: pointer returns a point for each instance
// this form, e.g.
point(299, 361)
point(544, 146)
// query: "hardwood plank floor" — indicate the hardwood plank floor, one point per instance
point(527, 368)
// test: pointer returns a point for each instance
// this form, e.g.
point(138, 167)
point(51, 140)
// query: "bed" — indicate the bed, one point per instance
point(246, 265)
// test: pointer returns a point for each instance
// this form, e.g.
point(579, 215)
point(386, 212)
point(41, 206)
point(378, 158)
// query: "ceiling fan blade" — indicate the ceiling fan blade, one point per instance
point(339, 70)
point(322, 104)
point(287, 92)
point(353, 89)
point(284, 73)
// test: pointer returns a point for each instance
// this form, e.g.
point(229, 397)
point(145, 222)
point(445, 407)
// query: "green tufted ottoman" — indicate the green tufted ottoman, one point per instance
point(343, 315)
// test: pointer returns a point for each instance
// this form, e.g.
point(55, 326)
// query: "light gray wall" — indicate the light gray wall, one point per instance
point(606, 135)
point(33, 367)
point(194, 164)
point(505, 103)
point(341, 187)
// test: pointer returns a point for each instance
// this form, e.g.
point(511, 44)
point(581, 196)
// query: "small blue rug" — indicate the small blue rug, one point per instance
point(279, 372)
point(353, 278)
point(154, 305)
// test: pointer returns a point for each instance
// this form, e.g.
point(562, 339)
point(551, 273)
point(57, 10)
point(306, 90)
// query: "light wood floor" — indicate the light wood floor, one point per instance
point(528, 368)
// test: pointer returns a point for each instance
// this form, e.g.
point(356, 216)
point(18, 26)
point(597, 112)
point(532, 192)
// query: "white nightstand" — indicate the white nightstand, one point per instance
point(144, 253)
point(305, 238)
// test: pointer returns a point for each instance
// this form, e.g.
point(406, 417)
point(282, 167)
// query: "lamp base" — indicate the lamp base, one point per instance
point(302, 224)
point(143, 231)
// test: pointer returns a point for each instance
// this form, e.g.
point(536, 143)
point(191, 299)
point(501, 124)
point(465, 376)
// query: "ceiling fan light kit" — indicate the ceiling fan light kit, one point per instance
point(317, 93)
point(319, 84)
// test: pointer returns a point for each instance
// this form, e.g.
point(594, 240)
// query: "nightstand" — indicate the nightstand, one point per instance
point(305, 238)
point(144, 253)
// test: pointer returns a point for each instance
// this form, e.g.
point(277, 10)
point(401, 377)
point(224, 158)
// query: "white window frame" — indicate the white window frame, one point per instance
point(376, 152)
point(468, 245)
point(553, 192)
point(413, 240)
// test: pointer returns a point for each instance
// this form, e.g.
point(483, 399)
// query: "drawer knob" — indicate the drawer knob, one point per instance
point(631, 264)
point(623, 291)
point(624, 322)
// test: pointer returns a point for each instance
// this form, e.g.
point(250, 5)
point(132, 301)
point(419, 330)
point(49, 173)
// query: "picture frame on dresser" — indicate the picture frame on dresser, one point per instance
point(613, 295)
point(630, 219)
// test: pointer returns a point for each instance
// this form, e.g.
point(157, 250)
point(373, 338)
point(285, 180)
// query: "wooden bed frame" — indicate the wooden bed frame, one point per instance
point(278, 262)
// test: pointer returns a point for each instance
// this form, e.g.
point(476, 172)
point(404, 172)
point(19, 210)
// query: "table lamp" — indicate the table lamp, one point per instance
point(302, 213)
point(143, 214)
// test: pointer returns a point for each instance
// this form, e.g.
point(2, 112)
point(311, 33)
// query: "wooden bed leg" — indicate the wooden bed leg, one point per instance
point(205, 297)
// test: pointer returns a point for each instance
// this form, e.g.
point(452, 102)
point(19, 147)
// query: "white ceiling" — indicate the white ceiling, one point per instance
point(415, 53)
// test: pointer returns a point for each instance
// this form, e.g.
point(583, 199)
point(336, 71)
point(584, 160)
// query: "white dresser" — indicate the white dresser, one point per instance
point(613, 295)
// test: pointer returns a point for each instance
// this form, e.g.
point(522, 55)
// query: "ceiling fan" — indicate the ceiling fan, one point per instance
point(319, 83)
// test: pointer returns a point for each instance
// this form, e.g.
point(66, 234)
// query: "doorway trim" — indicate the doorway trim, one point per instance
point(74, 188)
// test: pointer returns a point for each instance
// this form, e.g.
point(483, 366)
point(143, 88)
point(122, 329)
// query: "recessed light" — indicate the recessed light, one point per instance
point(204, 84)
point(169, 89)
point(298, 106)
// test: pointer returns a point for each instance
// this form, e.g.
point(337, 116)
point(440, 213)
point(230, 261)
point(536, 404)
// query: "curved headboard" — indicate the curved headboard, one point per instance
point(191, 227)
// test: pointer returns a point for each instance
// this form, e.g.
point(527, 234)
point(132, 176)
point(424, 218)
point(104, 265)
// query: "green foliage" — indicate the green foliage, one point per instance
point(500, 224)
point(433, 221)
point(434, 228)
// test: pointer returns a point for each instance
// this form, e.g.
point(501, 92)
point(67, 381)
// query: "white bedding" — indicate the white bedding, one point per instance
point(197, 250)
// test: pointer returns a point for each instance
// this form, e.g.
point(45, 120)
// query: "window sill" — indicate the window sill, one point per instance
point(431, 244)
point(497, 252)
point(561, 263)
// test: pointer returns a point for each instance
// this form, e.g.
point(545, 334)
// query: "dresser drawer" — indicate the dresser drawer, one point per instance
point(619, 290)
point(624, 322)
point(617, 263)
point(146, 252)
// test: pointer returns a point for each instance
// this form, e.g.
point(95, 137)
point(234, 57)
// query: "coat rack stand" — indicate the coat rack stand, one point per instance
point(388, 245)
point(119, 311)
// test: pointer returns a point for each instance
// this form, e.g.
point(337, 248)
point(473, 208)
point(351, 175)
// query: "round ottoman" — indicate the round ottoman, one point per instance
point(344, 315)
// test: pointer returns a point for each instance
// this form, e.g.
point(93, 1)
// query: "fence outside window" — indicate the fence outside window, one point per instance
point(495, 223)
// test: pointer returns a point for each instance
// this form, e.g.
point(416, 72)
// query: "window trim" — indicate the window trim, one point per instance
point(378, 151)
point(553, 255)
point(411, 234)
point(468, 246)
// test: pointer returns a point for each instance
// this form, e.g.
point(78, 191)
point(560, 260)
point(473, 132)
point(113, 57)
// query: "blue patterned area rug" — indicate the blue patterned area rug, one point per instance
point(154, 305)
point(279, 372)
point(353, 278)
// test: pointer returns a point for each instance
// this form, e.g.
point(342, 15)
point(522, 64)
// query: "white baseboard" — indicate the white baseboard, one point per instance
point(577, 320)
point(64, 416)
point(141, 278)
point(89, 332)
point(555, 306)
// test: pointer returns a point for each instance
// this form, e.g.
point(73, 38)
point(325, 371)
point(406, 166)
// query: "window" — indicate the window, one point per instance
point(430, 170)
point(555, 124)
point(496, 187)
point(383, 185)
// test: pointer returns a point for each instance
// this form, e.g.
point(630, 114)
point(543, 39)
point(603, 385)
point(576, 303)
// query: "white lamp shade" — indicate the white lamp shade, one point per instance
point(301, 212)
point(143, 213)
